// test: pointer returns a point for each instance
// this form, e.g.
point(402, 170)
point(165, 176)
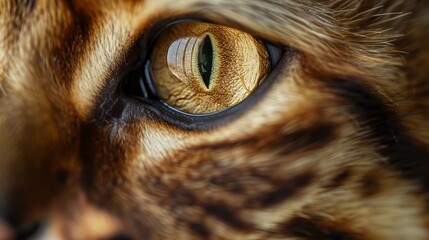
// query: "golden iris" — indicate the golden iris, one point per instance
point(202, 68)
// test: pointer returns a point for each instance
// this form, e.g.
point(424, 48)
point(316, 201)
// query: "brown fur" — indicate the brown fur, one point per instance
point(336, 148)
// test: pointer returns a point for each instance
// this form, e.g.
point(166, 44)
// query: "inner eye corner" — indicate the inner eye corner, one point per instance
point(275, 51)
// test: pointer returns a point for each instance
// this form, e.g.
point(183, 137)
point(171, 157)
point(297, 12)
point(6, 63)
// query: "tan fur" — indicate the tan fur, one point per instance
point(312, 158)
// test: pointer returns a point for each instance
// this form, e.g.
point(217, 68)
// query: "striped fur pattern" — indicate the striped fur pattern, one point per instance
point(336, 146)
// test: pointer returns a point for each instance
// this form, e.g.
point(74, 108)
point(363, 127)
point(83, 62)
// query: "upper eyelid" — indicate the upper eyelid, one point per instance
point(291, 23)
point(150, 36)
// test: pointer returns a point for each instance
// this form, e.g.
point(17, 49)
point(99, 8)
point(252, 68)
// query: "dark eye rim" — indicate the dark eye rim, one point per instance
point(279, 56)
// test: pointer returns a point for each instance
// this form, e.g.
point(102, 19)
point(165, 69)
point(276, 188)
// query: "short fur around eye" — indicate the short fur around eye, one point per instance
point(334, 147)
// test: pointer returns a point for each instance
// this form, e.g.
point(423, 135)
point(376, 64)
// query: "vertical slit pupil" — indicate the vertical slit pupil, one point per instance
point(205, 60)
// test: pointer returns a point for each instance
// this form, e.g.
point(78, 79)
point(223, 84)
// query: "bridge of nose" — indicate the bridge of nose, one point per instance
point(38, 152)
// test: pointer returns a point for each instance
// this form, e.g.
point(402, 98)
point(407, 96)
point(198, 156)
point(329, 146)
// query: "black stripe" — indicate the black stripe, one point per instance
point(226, 215)
point(75, 38)
point(287, 188)
point(404, 153)
point(30, 4)
point(315, 229)
point(22, 15)
point(370, 184)
point(26, 6)
point(338, 180)
point(199, 229)
point(306, 139)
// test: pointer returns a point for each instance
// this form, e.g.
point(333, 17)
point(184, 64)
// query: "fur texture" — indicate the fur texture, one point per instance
point(337, 147)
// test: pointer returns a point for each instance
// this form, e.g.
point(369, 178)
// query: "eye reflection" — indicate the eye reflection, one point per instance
point(179, 57)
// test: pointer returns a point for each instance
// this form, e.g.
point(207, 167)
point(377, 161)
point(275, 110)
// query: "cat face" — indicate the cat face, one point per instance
point(95, 119)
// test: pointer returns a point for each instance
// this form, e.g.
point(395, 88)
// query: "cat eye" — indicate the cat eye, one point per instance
point(200, 68)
